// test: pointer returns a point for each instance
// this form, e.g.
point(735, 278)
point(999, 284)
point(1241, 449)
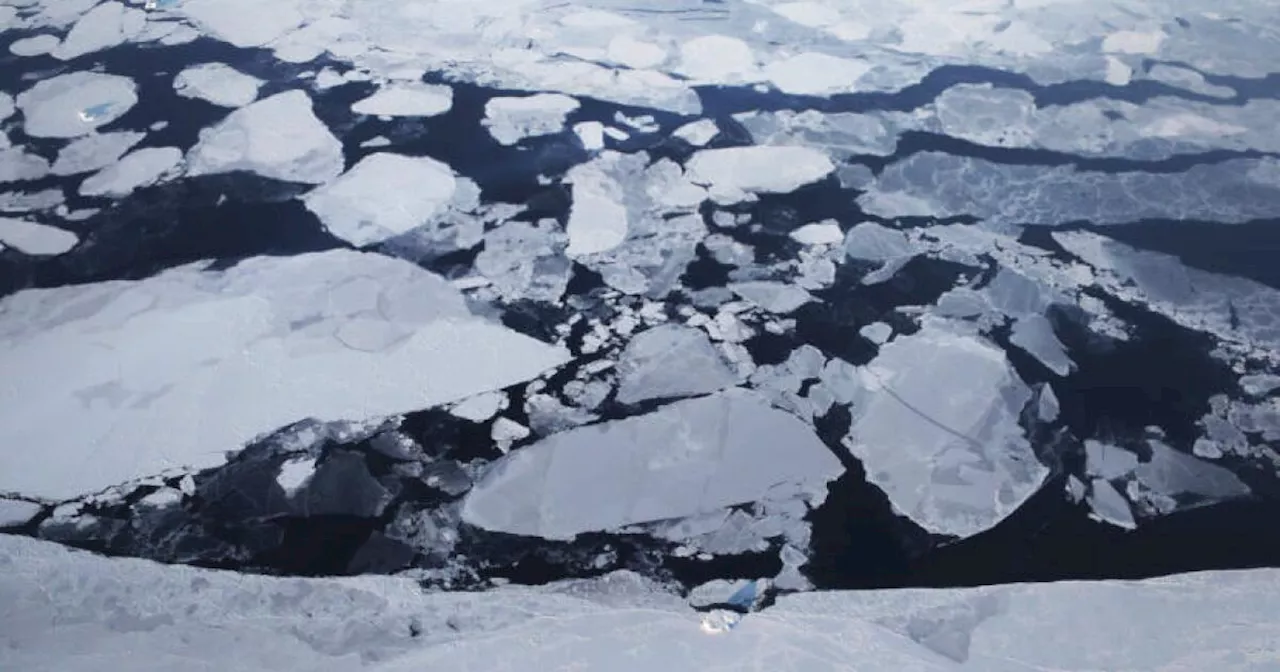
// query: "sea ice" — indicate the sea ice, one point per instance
point(698, 133)
point(136, 170)
point(105, 26)
point(670, 361)
point(16, 165)
point(35, 45)
point(243, 23)
point(511, 120)
point(597, 218)
point(94, 151)
point(688, 458)
point(332, 335)
point(71, 105)
point(814, 74)
point(15, 512)
point(35, 239)
point(278, 137)
point(1034, 334)
point(407, 99)
point(217, 83)
point(819, 233)
point(731, 173)
point(775, 297)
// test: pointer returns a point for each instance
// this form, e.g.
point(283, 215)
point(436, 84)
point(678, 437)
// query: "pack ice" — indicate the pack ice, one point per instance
point(174, 370)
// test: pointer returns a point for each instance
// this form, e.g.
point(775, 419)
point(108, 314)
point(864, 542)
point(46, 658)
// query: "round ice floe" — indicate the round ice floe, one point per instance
point(411, 99)
point(217, 83)
point(383, 196)
point(142, 168)
point(67, 106)
point(278, 137)
point(36, 239)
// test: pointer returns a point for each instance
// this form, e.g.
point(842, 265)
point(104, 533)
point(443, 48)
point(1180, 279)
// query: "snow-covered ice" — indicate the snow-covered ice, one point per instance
point(32, 238)
point(383, 196)
point(688, 458)
point(511, 120)
point(407, 99)
point(71, 105)
point(670, 361)
point(334, 335)
point(136, 170)
point(598, 218)
point(278, 137)
point(94, 151)
point(217, 83)
point(733, 172)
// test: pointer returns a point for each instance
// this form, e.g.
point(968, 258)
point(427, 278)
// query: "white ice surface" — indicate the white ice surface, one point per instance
point(35, 45)
point(244, 23)
point(217, 83)
point(136, 170)
point(382, 196)
point(16, 165)
point(17, 512)
point(598, 218)
point(334, 335)
point(63, 610)
point(670, 361)
point(698, 133)
point(278, 137)
point(511, 120)
point(105, 26)
point(774, 297)
point(818, 233)
point(94, 151)
point(70, 105)
point(35, 239)
point(407, 99)
point(733, 172)
point(688, 458)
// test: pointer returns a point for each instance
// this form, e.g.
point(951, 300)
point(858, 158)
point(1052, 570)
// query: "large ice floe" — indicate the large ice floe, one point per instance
point(277, 137)
point(172, 371)
point(74, 104)
point(131, 614)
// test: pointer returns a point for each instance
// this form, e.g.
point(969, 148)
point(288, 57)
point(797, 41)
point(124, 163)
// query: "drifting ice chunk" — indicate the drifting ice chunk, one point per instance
point(732, 172)
point(480, 407)
point(71, 105)
point(139, 169)
point(1034, 334)
point(1110, 506)
point(102, 27)
point(598, 219)
point(15, 512)
point(775, 297)
point(410, 99)
point(936, 424)
point(870, 241)
point(243, 23)
point(35, 45)
point(277, 137)
point(591, 134)
point(811, 74)
point(295, 473)
point(1170, 472)
point(511, 120)
point(93, 152)
point(217, 83)
point(821, 233)
point(689, 458)
point(670, 361)
point(16, 165)
point(334, 335)
point(876, 332)
point(1107, 461)
point(37, 239)
point(383, 196)
point(698, 133)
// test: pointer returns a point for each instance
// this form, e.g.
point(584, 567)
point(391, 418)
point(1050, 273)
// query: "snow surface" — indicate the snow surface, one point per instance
point(407, 99)
point(278, 137)
point(33, 238)
point(334, 335)
point(64, 610)
point(383, 196)
point(670, 361)
point(136, 170)
point(511, 120)
point(71, 105)
point(732, 172)
point(217, 83)
point(94, 151)
point(691, 457)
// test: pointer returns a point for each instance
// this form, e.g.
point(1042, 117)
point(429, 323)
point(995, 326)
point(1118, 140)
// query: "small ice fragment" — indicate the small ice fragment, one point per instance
point(512, 119)
point(822, 233)
point(698, 133)
point(409, 99)
point(876, 332)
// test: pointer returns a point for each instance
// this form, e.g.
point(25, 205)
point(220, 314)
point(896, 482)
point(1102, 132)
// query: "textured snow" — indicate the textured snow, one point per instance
point(278, 137)
point(105, 26)
point(936, 424)
point(407, 99)
point(732, 172)
point(94, 151)
point(217, 83)
point(71, 105)
point(334, 335)
point(688, 458)
point(33, 238)
point(670, 361)
point(135, 615)
point(511, 120)
point(136, 170)
point(383, 196)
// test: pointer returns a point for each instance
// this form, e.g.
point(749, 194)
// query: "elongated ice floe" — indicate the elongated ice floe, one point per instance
point(105, 26)
point(16, 165)
point(732, 173)
point(385, 195)
point(33, 238)
point(71, 105)
point(244, 23)
point(407, 99)
point(177, 369)
point(217, 83)
point(278, 137)
point(34, 45)
point(94, 151)
point(688, 458)
point(511, 120)
point(136, 170)
point(142, 615)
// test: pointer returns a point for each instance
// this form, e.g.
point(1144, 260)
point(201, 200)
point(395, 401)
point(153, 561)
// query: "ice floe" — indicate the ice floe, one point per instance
point(775, 297)
point(142, 168)
point(217, 83)
point(734, 172)
point(385, 195)
point(71, 105)
point(35, 45)
point(16, 512)
point(670, 361)
point(16, 165)
point(688, 458)
point(698, 133)
point(94, 151)
point(106, 25)
point(815, 74)
point(278, 137)
point(243, 23)
point(511, 120)
point(407, 99)
point(526, 260)
point(36, 239)
point(331, 336)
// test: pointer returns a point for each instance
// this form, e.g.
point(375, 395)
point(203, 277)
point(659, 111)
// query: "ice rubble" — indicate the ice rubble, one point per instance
point(330, 335)
point(670, 361)
point(106, 25)
point(217, 83)
point(94, 151)
point(935, 421)
point(691, 457)
point(385, 195)
point(142, 616)
point(407, 99)
point(71, 105)
point(32, 238)
point(734, 172)
point(511, 120)
point(278, 137)
point(136, 170)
